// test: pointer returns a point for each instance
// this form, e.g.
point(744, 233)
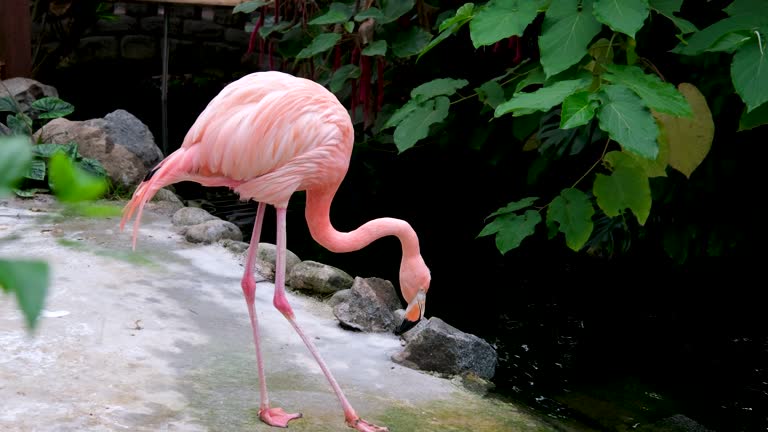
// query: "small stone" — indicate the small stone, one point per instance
point(318, 278)
point(192, 216)
point(213, 231)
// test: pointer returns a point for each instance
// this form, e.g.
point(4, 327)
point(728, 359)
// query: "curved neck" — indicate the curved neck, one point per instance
point(318, 219)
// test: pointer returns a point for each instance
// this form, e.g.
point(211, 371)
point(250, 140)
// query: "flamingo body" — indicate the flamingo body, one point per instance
point(267, 136)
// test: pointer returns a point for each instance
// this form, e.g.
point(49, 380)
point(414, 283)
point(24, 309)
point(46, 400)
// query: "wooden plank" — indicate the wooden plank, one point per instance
point(193, 2)
point(16, 38)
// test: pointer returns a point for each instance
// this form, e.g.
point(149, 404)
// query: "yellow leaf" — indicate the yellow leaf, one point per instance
point(689, 138)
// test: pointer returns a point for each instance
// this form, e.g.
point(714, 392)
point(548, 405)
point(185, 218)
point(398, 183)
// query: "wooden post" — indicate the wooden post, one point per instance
point(16, 38)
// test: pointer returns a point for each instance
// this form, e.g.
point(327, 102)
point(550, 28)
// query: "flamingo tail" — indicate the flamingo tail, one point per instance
point(172, 169)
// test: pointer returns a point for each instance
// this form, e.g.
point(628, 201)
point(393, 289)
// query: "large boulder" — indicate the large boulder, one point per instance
point(25, 91)
point(121, 142)
point(368, 306)
point(439, 347)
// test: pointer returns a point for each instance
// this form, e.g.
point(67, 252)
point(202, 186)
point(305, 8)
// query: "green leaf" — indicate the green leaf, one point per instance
point(450, 26)
point(92, 166)
point(756, 117)
point(249, 6)
point(29, 281)
point(572, 211)
point(657, 94)
point(437, 87)
point(416, 125)
point(8, 104)
point(500, 19)
point(625, 16)
point(745, 7)
point(565, 35)
point(337, 13)
point(20, 124)
point(535, 76)
point(514, 206)
point(690, 139)
point(705, 39)
point(542, 99)
point(668, 8)
point(626, 188)
point(36, 170)
point(52, 107)
point(511, 229)
point(749, 72)
point(394, 9)
point(349, 26)
point(378, 47)
point(628, 121)
point(321, 43)
point(372, 12)
point(401, 114)
point(656, 167)
point(47, 150)
point(270, 27)
point(15, 157)
point(578, 109)
point(71, 183)
point(410, 42)
point(342, 74)
point(491, 93)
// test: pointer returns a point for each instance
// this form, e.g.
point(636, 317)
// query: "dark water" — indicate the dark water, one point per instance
point(614, 345)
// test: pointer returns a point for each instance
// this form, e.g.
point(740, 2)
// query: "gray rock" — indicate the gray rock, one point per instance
point(442, 348)
point(234, 246)
point(675, 423)
point(369, 306)
point(126, 129)
point(191, 216)
point(25, 91)
point(267, 253)
point(213, 231)
point(318, 278)
point(339, 297)
point(164, 194)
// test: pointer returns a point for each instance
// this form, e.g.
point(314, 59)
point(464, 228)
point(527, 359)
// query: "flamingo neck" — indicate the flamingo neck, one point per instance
point(318, 209)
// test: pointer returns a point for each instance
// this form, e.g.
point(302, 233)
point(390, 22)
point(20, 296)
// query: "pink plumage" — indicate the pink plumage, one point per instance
point(266, 136)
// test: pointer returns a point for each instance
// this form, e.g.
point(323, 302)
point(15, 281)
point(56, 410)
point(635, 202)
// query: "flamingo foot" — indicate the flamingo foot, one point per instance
point(363, 426)
point(277, 417)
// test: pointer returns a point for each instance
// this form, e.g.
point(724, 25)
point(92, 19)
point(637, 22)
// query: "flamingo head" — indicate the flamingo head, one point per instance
point(414, 284)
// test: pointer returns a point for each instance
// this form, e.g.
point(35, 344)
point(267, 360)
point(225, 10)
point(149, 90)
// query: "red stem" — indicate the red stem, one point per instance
point(255, 33)
point(337, 58)
point(379, 84)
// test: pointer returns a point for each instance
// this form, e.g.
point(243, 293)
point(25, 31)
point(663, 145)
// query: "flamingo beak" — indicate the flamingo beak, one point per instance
point(414, 312)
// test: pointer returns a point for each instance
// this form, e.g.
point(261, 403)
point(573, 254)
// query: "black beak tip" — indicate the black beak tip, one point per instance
point(405, 326)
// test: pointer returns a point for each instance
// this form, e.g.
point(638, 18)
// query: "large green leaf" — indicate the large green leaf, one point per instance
point(625, 16)
point(378, 47)
point(47, 150)
point(669, 8)
point(572, 211)
point(746, 7)
point(628, 121)
point(20, 124)
point(410, 42)
point(71, 183)
point(372, 12)
point(511, 229)
point(415, 126)
point(749, 71)
point(491, 93)
point(29, 281)
point(691, 138)
point(337, 13)
point(578, 109)
point(8, 104)
point(321, 43)
point(514, 206)
point(626, 187)
point(342, 74)
point(703, 40)
point(451, 26)
point(15, 158)
point(542, 99)
point(437, 87)
point(394, 9)
point(401, 113)
point(52, 107)
point(500, 19)
point(657, 94)
point(249, 6)
point(36, 170)
point(565, 35)
point(756, 117)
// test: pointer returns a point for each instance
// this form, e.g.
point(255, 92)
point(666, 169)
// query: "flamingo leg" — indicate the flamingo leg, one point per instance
point(271, 416)
point(281, 303)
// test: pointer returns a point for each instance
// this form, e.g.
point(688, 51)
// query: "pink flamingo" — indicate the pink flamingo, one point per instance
point(266, 136)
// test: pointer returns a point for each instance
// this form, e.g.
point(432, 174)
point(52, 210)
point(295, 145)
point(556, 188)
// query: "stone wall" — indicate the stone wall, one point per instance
point(198, 36)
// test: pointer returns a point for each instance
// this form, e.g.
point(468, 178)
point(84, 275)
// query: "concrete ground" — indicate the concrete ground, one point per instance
point(159, 340)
